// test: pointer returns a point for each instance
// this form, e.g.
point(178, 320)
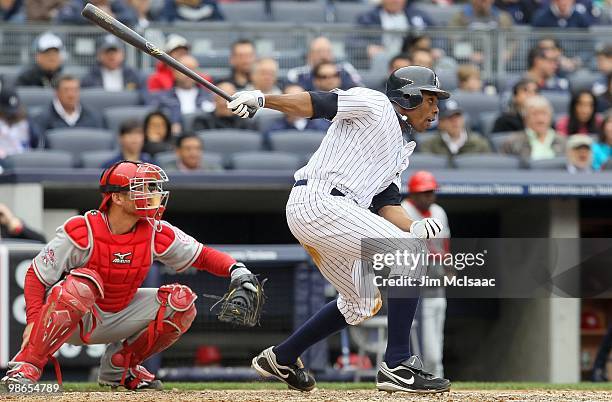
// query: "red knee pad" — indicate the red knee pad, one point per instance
point(67, 303)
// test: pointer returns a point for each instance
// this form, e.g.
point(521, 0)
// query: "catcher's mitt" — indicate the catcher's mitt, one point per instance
point(242, 303)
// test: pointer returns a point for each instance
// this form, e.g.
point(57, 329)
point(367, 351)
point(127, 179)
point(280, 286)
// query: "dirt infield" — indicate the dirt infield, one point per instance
point(322, 395)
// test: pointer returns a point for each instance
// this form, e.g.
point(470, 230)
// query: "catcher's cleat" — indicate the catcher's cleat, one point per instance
point(409, 376)
point(23, 374)
point(137, 378)
point(294, 375)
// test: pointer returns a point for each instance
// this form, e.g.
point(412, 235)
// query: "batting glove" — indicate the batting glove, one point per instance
point(239, 269)
point(246, 103)
point(427, 228)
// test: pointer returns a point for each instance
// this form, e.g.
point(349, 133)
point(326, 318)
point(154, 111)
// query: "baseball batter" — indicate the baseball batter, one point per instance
point(89, 276)
point(356, 171)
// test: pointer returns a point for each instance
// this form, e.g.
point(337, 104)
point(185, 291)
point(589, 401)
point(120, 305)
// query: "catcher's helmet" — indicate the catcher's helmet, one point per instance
point(405, 84)
point(144, 184)
point(422, 181)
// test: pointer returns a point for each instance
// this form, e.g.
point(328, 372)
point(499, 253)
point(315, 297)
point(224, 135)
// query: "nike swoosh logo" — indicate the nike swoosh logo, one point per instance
point(397, 378)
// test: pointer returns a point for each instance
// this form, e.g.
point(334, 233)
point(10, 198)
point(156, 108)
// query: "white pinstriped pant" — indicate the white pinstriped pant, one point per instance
point(332, 230)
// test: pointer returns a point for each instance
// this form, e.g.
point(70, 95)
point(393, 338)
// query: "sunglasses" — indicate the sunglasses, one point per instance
point(323, 77)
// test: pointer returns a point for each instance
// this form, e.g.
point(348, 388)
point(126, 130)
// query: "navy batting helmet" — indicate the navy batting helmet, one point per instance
point(405, 84)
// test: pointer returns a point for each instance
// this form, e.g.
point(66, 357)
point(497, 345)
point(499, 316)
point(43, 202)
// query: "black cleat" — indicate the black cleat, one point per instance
point(409, 377)
point(599, 375)
point(294, 375)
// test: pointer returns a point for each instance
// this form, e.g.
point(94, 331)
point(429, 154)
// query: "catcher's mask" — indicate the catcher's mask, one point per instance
point(144, 184)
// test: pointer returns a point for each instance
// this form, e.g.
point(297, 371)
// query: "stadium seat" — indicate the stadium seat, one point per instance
point(297, 142)
point(582, 79)
point(441, 15)
point(428, 161)
point(558, 99)
point(241, 11)
point(498, 139)
point(448, 79)
point(79, 140)
point(188, 120)
point(95, 159)
point(558, 163)
point(230, 141)
point(40, 159)
point(347, 12)
point(76, 70)
point(9, 74)
point(99, 99)
point(486, 162)
point(474, 104)
point(265, 161)
point(167, 160)
point(298, 11)
point(422, 138)
point(114, 116)
point(486, 122)
point(265, 117)
point(35, 96)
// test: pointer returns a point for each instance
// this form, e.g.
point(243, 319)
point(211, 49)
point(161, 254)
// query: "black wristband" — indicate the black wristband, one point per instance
point(389, 196)
point(324, 104)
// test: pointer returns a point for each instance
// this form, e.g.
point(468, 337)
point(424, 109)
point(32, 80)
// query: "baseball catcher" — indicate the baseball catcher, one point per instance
point(89, 276)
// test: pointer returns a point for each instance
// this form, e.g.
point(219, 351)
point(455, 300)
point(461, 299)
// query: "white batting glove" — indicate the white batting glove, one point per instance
point(246, 103)
point(427, 228)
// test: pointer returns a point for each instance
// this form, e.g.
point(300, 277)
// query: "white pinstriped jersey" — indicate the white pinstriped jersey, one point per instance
point(364, 150)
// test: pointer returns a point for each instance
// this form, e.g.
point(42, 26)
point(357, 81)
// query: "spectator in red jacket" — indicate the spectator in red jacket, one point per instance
point(163, 77)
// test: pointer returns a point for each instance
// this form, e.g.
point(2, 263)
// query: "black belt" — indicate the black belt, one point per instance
point(334, 191)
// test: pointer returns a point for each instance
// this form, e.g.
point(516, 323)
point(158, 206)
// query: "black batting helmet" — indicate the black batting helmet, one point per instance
point(405, 84)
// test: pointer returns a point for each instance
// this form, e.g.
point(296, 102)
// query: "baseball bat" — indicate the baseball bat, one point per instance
point(110, 24)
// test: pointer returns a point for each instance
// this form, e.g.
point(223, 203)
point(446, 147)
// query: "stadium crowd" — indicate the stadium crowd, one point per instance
point(173, 120)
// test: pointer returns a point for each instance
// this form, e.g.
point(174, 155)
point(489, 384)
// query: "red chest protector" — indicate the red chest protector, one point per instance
point(122, 261)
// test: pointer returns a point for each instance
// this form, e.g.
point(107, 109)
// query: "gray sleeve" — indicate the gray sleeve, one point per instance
point(182, 252)
point(60, 255)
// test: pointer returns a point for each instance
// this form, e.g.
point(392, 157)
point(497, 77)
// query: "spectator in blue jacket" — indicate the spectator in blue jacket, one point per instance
point(12, 11)
point(111, 73)
point(192, 10)
point(70, 13)
point(561, 14)
point(393, 15)
point(185, 97)
point(520, 10)
point(602, 149)
point(66, 110)
point(295, 123)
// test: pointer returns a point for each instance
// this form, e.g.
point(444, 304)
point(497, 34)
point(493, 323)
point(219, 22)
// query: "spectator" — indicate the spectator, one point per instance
point(392, 15)
point(265, 76)
point(420, 41)
point(186, 97)
point(15, 132)
point(221, 117)
point(468, 78)
point(131, 142)
point(579, 154)
point(189, 152)
point(561, 14)
point(242, 59)
point(320, 50)
point(481, 14)
point(142, 8)
point(70, 13)
point(604, 101)
point(520, 10)
point(422, 57)
point(582, 117)
point(538, 140)
point(453, 137)
point(602, 149)
point(11, 227)
point(542, 68)
point(163, 78)
point(42, 10)
point(566, 65)
point(66, 109)
point(398, 61)
point(420, 204)
point(325, 76)
point(192, 10)
point(11, 11)
point(48, 62)
point(512, 118)
point(111, 73)
point(288, 122)
point(604, 67)
point(158, 133)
